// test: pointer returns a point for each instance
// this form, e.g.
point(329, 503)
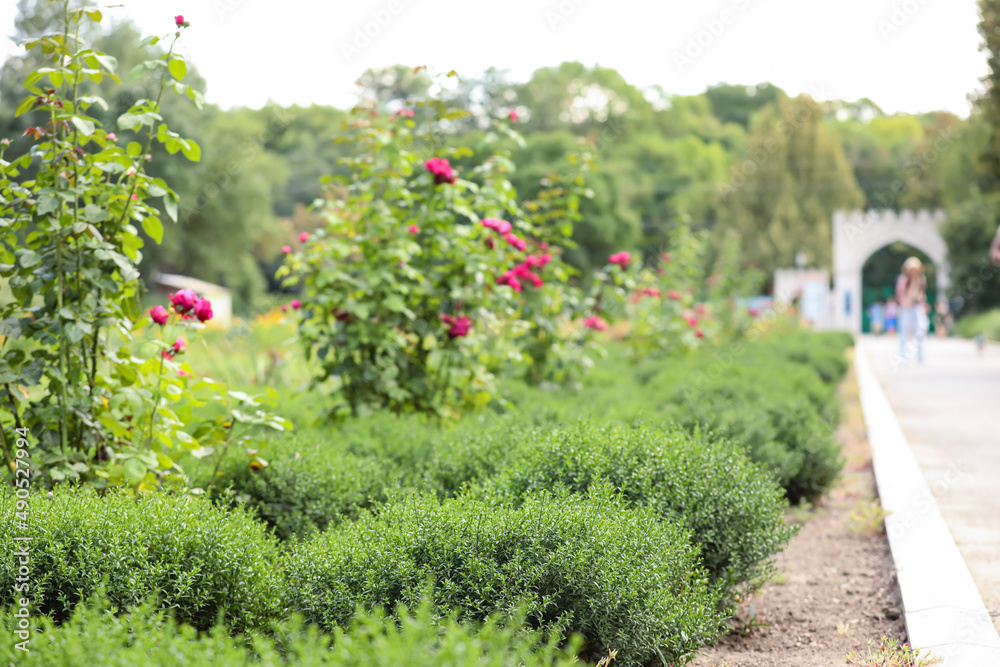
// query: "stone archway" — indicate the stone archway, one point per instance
point(858, 235)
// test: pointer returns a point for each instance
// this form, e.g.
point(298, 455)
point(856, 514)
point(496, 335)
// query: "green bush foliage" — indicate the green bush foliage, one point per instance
point(201, 560)
point(616, 574)
point(146, 636)
point(732, 507)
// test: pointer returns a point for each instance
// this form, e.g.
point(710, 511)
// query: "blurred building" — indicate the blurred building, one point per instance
point(221, 297)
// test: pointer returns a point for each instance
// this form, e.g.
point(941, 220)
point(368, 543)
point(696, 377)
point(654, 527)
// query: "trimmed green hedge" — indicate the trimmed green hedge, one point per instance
point(616, 574)
point(201, 560)
point(145, 637)
point(733, 508)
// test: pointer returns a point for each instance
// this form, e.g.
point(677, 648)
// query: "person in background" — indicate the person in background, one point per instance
point(891, 316)
point(942, 318)
point(876, 317)
point(911, 292)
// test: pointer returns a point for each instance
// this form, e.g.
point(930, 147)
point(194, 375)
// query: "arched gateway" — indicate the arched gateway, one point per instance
point(858, 235)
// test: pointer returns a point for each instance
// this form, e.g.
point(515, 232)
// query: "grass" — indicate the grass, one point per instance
point(987, 324)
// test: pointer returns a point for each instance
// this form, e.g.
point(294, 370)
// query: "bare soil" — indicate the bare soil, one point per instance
point(836, 586)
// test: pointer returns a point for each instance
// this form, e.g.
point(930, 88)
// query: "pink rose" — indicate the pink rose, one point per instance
point(413, 229)
point(287, 249)
point(691, 320)
point(179, 345)
point(595, 323)
point(284, 308)
point(511, 238)
point(698, 333)
point(111, 136)
point(159, 314)
point(179, 20)
point(303, 237)
point(203, 310)
point(458, 326)
point(513, 115)
point(184, 300)
point(674, 295)
point(296, 304)
point(443, 173)
point(622, 259)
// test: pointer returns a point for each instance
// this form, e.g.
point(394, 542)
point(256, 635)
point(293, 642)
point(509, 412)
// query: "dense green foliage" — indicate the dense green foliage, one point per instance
point(987, 324)
point(201, 560)
point(146, 636)
point(733, 508)
point(594, 565)
point(664, 157)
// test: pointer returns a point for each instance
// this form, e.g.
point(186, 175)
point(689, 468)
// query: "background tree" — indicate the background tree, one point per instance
point(798, 176)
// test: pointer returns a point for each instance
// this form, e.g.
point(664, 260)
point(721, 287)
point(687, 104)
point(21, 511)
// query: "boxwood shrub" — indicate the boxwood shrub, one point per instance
point(96, 634)
point(616, 574)
point(201, 560)
point(308, 486)
point(733, 507)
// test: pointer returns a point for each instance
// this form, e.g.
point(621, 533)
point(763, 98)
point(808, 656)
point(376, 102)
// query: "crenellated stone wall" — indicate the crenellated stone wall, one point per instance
point(857, 235)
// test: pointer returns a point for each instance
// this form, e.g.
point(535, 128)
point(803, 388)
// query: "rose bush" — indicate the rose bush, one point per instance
point(426, 280)
point(72, 203)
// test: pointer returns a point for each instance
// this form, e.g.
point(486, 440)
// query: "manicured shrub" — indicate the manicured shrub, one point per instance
point(145, 636)
point(733, 508)
point(308, 486)
point(783, 432)
point(618, 575)
point(201, 560)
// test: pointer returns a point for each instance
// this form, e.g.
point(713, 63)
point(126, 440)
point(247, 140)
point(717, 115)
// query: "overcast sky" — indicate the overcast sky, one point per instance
point(906, 55)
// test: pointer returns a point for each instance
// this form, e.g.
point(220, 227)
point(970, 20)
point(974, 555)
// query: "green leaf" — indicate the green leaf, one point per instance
point(149, 41)
point(25, 105)
point(94, 213)
point(108, 62)
point(178, 68)
point(154, 228)
point(128, 121)
point(96, 16)
point(47, 204)
point(192, 150)
point(94, 99)
point(135, 470)
point(170, 206)
point(74, 332)
point(134, 148)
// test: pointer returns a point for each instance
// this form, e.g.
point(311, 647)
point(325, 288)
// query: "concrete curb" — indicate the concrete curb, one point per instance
point(943, 609)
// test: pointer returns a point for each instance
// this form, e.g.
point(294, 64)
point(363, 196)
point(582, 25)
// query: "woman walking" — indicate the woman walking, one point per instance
point(911, 292)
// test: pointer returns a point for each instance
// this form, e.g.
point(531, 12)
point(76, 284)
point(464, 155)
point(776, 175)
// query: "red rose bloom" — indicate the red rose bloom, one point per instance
point(443, 173)
point(203, 310)
point(622, 259)
point(159, 314)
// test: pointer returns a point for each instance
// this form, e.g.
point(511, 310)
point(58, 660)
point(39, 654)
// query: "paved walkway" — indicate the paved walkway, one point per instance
point(949, 409)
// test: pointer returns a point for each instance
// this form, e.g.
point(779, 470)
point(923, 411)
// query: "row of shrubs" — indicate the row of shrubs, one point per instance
point(774, 399)
point(98, 633)
point(633, 533)
point(592, 565)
